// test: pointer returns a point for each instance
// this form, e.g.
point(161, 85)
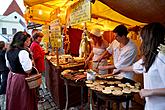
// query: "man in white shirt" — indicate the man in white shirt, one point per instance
point(124, 53)
point(123, 49)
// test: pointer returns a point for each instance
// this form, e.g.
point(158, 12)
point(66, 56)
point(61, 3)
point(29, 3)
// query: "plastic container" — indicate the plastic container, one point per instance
point(91, 75)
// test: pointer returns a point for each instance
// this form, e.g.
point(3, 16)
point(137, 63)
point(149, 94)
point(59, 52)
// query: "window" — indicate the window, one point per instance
point(14, 30)
point(4, 31)
point(15, 17)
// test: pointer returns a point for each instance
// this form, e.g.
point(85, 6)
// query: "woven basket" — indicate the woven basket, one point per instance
point(34, 79)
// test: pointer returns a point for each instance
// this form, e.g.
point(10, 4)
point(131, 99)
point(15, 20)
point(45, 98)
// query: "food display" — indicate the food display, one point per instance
point(75, 75)
point(106, 84)
point(66, 61)
point(115, 85)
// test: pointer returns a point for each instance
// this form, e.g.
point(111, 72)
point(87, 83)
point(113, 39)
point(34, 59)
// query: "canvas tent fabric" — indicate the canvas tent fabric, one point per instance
point(103, 16)
point(140, 10)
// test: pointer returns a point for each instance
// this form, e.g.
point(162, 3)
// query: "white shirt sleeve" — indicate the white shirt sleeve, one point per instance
point(7, 62)
point(113, 45)
point(161, 66)
point(138, 67)
point(126, 59)
point(25, 60)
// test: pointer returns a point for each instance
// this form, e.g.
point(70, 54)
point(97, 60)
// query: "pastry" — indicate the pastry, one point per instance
point(117, 92)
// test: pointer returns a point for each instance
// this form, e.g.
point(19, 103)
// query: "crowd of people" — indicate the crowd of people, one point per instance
point(151, 64)
point(23, 53)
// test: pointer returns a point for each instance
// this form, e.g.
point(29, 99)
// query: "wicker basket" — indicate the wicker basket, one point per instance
point(34, 79)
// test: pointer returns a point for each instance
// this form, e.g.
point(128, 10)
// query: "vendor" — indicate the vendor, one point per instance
point(123, 49)
point(99, 46)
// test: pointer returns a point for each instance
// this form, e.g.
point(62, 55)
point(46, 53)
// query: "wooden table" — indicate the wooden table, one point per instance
point(56, 85)
point(79, 83)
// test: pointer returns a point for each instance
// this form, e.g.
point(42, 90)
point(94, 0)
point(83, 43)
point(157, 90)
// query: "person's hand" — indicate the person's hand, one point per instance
point(86, 62)
point(116, 71)
point(99, 59)
point(96, 70)
point(102, 67)
point(46, 51)
point(33, 63)
point(145, 93)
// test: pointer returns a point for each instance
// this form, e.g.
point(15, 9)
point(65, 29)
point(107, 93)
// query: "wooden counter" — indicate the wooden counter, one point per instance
point(56, 85)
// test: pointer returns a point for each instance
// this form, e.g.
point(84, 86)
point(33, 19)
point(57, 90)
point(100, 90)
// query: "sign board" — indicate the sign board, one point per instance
point(55, 37)
point(81, 12)
point(45, 31)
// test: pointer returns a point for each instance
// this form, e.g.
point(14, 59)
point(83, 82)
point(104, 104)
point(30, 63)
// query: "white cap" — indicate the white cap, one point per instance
point(96, 32)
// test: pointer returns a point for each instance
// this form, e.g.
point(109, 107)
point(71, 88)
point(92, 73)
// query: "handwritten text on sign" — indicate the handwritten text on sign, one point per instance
point(81, 12)
point(55, 38)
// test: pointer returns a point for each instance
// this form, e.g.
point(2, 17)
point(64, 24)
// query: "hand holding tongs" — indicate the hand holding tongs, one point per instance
point(96, 69)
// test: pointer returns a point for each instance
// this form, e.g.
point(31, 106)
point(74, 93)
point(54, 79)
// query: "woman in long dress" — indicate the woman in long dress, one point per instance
point(18, 94)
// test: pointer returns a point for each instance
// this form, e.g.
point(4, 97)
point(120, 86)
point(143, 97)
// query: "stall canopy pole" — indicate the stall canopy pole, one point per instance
point(57, 57)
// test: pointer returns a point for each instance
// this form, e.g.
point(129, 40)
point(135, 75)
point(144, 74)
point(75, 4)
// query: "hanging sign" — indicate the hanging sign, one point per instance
point(80, 12)
point(55, 37)
point(45, 31)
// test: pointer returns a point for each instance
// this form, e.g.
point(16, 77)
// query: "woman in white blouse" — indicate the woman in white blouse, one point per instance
point(18, 94)
point(152, 65)
point(99, 45)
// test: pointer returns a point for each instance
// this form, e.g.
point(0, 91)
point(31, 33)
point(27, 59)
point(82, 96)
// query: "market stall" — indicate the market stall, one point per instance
point(54, 82)
point(75, 15)
point(108, 88)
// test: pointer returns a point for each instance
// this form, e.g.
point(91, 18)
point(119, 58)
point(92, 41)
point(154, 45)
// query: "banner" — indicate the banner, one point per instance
point(45, 31)
point(81, 12)
point(55, 37)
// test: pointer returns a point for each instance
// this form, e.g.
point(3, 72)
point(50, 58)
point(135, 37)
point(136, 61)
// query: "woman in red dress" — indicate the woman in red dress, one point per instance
point(37, 52)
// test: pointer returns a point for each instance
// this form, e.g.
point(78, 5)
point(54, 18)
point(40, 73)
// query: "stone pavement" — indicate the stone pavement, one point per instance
point(47, 105)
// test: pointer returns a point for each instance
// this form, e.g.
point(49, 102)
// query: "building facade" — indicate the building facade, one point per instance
point(11, 22)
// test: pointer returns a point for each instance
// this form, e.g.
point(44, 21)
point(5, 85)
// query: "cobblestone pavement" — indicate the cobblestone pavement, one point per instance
point(47, 105)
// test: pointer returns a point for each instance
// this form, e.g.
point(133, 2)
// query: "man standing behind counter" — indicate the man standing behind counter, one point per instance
point(123, 49)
